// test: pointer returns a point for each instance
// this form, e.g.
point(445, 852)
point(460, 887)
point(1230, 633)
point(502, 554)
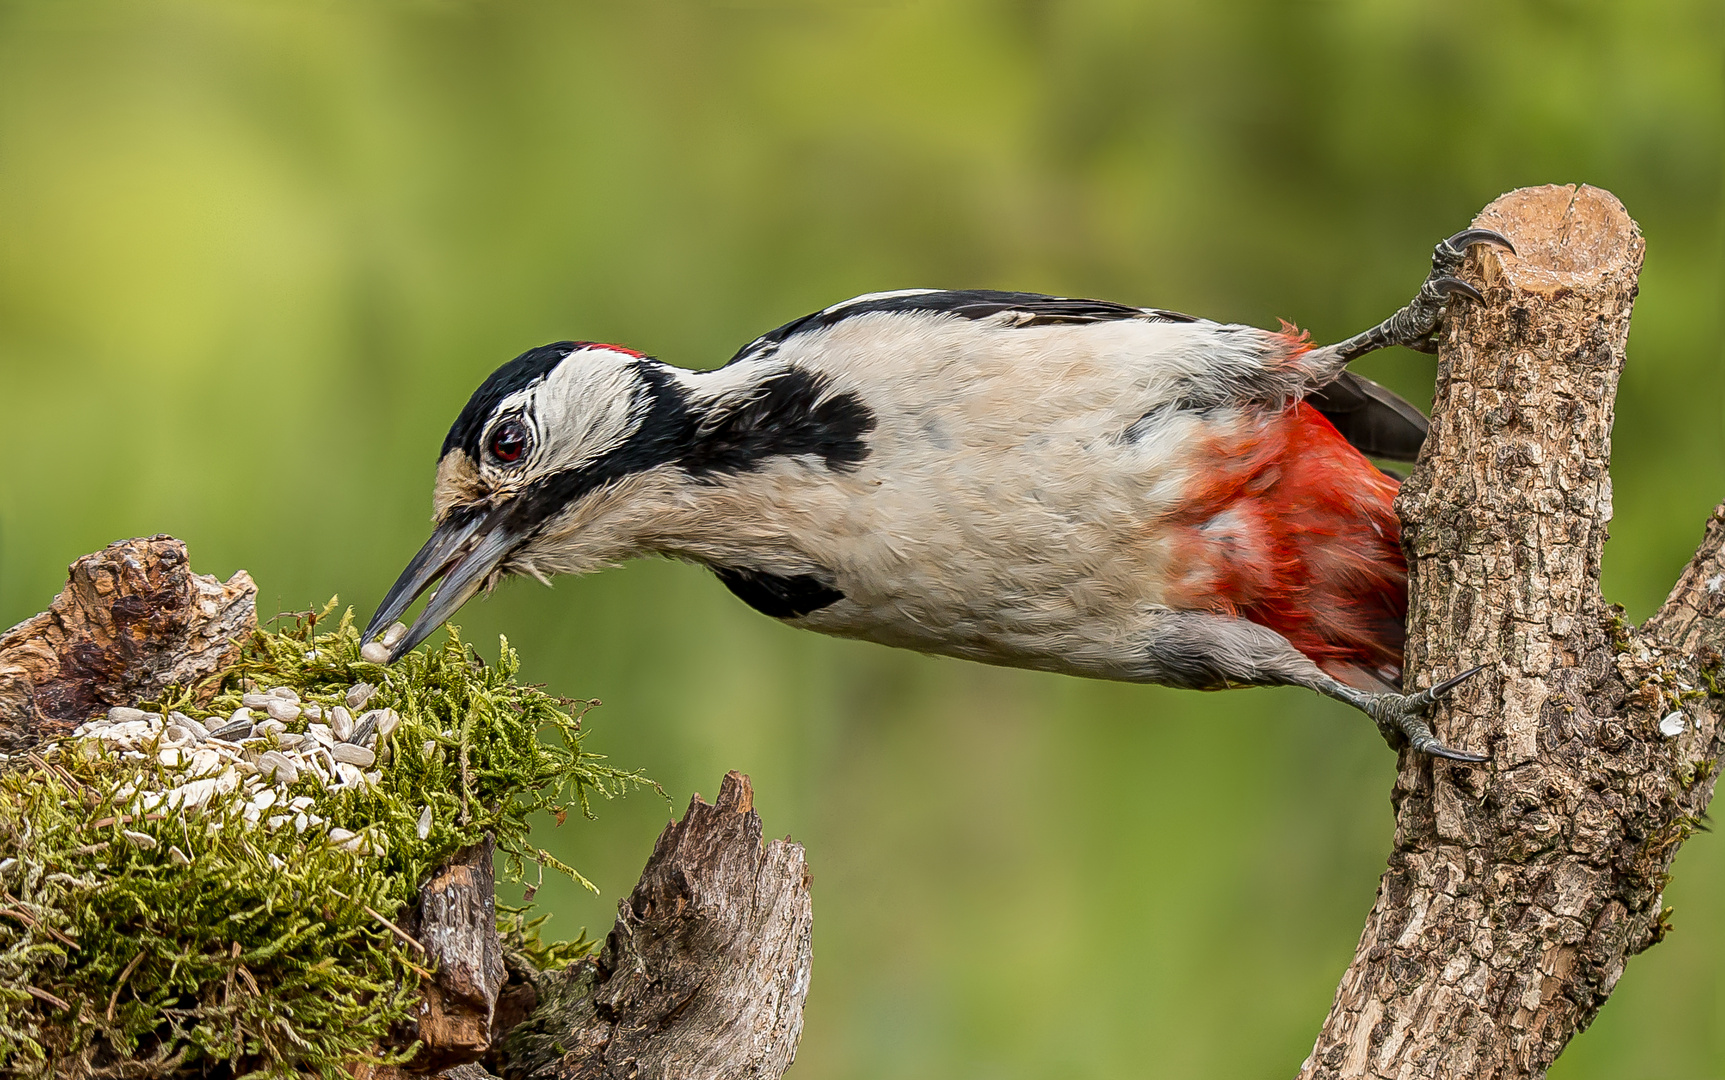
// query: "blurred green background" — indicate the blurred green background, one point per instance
point(254, 257)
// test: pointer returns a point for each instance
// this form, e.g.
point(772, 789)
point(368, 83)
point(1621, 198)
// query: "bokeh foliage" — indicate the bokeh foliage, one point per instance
point(253, 257)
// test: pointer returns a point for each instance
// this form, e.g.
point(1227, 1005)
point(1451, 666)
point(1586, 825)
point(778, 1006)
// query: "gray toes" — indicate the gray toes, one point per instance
point(1405, 714)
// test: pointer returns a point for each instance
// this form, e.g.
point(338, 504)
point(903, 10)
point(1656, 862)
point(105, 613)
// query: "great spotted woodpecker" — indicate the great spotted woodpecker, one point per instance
point(1068, 485)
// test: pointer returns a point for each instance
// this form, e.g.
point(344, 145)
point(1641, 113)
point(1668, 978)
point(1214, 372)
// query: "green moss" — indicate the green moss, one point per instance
point(200, 941)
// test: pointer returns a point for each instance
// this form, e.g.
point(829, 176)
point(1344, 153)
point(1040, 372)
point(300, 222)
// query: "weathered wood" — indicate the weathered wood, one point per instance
point(132, 620)
point(703, 976)
point(1517, 889)
point(457, 924)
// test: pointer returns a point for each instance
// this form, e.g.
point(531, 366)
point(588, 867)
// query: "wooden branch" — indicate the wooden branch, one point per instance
point(1517, 889)
point(132, 620)
point(703, 976)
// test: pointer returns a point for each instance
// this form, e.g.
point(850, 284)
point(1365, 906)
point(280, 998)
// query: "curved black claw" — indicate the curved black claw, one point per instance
point(1406, 714)
point(1442, 689)
point(1436, 749)
point(1461, 241)
point(1451, 286)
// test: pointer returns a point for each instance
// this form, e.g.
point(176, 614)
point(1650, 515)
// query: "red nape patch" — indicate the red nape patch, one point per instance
point(618, 348)
point(1289, 526)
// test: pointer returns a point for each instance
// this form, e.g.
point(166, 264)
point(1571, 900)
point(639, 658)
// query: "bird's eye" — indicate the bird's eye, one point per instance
point(509, 441)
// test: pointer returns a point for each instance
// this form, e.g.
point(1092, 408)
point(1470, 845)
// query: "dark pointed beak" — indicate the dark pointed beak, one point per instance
point(463, 552)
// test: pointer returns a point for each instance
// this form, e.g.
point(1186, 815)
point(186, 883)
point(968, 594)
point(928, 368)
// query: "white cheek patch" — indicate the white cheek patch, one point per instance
point(584, 409)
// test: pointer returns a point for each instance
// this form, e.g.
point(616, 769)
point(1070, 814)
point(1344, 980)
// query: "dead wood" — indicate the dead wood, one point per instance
point(1518, 889)
point(132, 620)
point(703, 976)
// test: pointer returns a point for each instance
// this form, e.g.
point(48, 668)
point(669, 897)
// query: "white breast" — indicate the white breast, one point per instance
point(1008, 508)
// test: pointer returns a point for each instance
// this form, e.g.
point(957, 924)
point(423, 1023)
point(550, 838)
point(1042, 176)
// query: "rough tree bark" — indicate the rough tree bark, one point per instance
point(1518, 889)
point(703, 977)
point(704, 974)
point(133, 619)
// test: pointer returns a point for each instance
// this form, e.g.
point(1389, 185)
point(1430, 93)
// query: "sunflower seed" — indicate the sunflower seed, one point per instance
point(352, 754)
point(321, 733)
point(315, 712)
point(423, 829)
point(341, 723)
point(189, 724)
point(124, 714)
point(358, 694)
point(337, 836)
point(268, 728)
point(256, 701)
point(287, 740)
point(282, 710)
point(286, 693)
point(394, 634)
point(142, 841)
point(350, 775)
point(279, 765)
point(178, 857)
point(234, 731)
point(374, 652)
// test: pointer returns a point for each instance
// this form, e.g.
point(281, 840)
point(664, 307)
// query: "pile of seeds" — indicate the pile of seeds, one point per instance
point(262, 758)
point(216, 878)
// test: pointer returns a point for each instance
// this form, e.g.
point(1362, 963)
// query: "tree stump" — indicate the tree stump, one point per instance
point(1518, 889)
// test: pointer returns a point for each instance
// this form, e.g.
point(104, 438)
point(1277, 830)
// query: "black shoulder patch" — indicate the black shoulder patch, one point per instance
point(790, 413)
point(522, 371)
point(776, 595)
point(1034, 309)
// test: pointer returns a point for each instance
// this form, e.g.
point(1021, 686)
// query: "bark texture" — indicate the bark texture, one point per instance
point(1518, 889)
point(703, 976)
point(457, 926)
point(132, 620)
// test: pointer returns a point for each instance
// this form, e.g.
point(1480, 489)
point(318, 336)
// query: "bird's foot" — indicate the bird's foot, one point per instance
point(1403, 716)
point(1415, 325)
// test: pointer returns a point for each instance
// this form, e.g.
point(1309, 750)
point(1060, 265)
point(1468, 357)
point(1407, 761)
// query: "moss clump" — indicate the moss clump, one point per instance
point(140, 936)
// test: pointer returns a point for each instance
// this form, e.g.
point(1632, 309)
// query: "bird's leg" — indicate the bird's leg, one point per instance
point(1415, 325)
point(1403, 716)
point(1204, 651)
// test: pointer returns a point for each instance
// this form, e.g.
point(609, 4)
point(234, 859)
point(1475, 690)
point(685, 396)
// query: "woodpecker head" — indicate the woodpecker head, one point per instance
point(540, 437)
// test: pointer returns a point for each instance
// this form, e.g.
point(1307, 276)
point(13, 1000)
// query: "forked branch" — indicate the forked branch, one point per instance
point(1518, 889)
